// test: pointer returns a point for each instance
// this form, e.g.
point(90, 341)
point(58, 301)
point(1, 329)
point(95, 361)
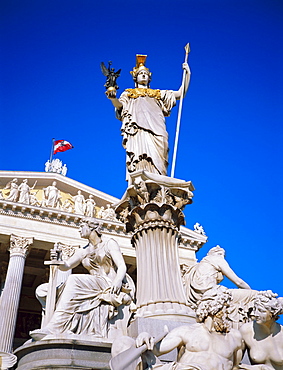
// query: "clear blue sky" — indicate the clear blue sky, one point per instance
point(231, 131)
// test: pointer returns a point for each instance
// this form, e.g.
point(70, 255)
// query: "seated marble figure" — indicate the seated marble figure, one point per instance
point(89, 302)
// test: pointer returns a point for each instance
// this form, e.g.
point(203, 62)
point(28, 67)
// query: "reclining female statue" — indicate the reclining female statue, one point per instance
point(209, 272)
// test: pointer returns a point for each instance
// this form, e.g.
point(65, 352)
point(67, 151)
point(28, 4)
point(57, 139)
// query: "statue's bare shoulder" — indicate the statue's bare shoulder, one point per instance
point(236, 335)
point(184, 331)
point(112, 244)
point(246, 328)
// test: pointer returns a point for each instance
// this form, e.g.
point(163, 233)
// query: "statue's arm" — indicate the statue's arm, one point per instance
point(119, 262)
point(73, 261)
point(117, 104)
point(171, 341)
point(238, 354)
point(184, 87)
point(230, 274)
point(167, 344)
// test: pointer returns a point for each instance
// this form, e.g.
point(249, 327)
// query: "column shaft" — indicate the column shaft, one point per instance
point(10, 301)
point(10, 296)
point(159, 284)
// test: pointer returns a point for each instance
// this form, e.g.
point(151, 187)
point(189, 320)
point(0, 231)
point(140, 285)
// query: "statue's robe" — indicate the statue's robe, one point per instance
point(144, 132)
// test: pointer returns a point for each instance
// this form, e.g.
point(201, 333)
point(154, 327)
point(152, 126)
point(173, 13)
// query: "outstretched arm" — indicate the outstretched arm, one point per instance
point(73, 261)
point(111, 95)
point(238, 354)
point(117, 104)
point(167, 344)
point(170, 342)
point(184, 87)
point(230, 274)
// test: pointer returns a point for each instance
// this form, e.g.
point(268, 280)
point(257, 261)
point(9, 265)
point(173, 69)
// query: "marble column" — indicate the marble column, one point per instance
point(160, 290)
point(152, 210)
point(10, 297)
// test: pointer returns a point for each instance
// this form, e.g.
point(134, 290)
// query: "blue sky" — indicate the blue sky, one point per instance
point(231, 134)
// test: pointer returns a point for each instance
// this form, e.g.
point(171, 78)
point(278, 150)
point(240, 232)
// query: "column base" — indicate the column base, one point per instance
point(7, 360)
point(167, 311)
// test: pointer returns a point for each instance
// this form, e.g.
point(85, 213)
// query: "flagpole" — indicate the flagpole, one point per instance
point(187, 49)
point(52, 149)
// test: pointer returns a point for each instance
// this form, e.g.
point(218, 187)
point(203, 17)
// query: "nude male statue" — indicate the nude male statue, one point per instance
point(209, 344)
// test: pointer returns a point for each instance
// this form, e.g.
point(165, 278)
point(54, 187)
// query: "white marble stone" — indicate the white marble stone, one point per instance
point(79, 201)
point(209, 344)
point(210, 271)
point(88, 302)
point(264, 337)
point(10, 296)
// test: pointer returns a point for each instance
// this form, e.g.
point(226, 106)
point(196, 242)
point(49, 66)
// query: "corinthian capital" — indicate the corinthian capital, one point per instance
point(152, 196)
point(19, 245)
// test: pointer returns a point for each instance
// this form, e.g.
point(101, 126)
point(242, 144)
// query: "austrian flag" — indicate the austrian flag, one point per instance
point(61, 146)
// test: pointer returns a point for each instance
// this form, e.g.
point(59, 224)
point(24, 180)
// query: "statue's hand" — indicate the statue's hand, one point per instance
point(186, 67)
point(54, 254)
point(116, 287)
point(145, 338)
point(111, 93)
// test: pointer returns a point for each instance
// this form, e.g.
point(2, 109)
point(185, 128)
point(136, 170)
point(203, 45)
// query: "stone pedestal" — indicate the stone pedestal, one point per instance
point(10, 296)
point(155, 327)
point(152, 210)
point(63, 354)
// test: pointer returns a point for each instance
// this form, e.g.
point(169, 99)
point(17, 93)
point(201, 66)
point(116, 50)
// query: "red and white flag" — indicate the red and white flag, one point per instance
point(61, 146)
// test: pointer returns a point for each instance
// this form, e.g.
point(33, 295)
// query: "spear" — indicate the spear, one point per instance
point(51, 153)
point(187, 50)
